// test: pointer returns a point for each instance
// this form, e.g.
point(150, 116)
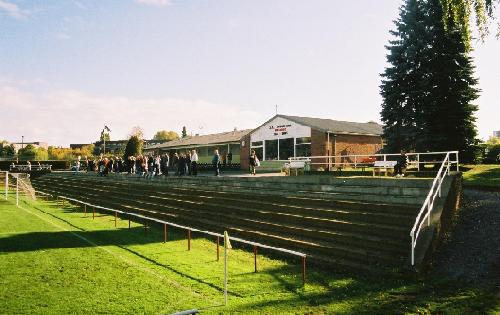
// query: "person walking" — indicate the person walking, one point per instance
point(254, 162)
point(194, 163)
point(216, 162)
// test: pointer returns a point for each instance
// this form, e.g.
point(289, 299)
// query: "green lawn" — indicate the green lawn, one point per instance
point(482, 176)
point(57, 260)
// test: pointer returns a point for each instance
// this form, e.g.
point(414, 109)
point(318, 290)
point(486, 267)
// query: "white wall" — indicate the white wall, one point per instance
point(280, 128)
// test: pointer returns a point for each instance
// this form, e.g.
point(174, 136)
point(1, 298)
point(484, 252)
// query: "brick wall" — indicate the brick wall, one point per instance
point(245, 152)
point(342, 145)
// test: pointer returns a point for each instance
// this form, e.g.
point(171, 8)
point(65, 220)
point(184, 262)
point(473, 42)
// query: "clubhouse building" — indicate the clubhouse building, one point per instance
point(280, 138)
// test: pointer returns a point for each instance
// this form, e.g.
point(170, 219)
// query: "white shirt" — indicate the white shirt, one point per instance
point(194, 157)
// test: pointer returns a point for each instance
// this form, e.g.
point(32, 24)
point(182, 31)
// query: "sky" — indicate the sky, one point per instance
point(67, 68)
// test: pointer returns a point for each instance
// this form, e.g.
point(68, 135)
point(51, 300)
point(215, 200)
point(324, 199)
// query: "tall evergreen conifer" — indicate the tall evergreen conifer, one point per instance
point(428, 88)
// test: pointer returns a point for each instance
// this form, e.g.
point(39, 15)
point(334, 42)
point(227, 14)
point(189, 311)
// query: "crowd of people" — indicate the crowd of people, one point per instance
point(180, 164)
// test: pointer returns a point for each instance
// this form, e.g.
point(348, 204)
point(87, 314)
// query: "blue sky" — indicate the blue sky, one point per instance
point(69, 67)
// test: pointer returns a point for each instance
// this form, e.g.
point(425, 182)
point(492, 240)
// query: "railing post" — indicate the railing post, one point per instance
point(458, 168)
point(355, 162)
point(85, 210)
point(129, 223)
point(218, 244)
point(164, 232)
point(189, 239)
point(255, 258)
point(429, 214)
point(303, 270)
point(93, 213)
point(412, 249)
point(418, 162)
point(116, 217)
point(17, 190)
point(6, 185)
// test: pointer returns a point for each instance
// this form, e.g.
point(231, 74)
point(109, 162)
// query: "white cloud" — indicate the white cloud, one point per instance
point(157, 3)
point(61, 117)
point(12, 9)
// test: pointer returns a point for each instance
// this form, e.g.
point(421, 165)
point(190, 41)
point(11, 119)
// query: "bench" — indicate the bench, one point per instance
point(295, 165)
point(384, 166)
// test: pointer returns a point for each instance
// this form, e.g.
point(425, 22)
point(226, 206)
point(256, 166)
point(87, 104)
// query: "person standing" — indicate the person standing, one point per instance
point(182, 164)
point(175, 163)
point(401, 165)
point(253, 161)
point(188, 162)
point(164, 164)
point(230, 158)
point(216, 162)
point(194, 163)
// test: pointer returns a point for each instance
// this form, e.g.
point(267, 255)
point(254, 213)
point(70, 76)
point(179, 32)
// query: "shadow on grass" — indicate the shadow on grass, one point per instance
point(378, 295)
point(66, 239)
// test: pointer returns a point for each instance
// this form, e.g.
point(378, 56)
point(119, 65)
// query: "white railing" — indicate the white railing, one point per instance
point(20, 185)
point(366, 160)
point(426, 210)
point(25, 167)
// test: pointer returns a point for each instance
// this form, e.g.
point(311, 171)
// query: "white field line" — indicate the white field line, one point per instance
point(118, 256)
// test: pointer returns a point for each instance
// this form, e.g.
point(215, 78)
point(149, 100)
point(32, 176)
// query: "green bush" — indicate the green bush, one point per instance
point(492, 153)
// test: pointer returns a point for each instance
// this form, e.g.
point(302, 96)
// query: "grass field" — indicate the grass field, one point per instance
point(482, 176)
point(55, 260)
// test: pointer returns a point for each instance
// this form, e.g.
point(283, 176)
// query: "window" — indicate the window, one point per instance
point(286, 148)
point(303, 147)
point(257, 144)
point(271, 149)
point(303, 150)
point(306, 140)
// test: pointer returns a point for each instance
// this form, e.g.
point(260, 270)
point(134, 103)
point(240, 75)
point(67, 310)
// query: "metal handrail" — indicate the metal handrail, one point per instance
point(355, 158)
point(26, 167)
point(140, 216)
point(428, 204)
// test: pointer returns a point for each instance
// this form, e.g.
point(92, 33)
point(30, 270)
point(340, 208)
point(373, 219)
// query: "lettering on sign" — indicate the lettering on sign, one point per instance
point(281, 129)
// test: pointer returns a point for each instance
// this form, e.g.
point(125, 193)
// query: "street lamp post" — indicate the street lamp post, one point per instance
point(104, 137)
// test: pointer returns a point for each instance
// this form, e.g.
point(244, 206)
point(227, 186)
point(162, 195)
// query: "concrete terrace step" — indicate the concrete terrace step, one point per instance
point(242, 203)
point(340, 230)
point(352, 220)
point(265, 227)
point(313, 247)
point(356, 194)
point(391, 208)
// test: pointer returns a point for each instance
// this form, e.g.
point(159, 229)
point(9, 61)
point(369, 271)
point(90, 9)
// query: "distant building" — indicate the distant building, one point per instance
point(20, 145)
point(283, 137)
point(78, 145)
point(118, 146)
point(205, 145)
point(496, 133)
